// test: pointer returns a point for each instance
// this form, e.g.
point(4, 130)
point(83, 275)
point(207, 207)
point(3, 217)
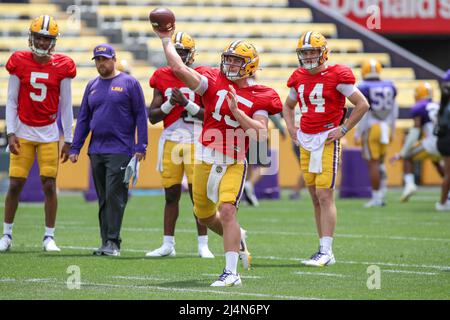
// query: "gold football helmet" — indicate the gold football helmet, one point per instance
point(312, 41)
point(43, 26)
point(123, 66)
point(423, 91)
point(185, 46)
point(371, 69)
point(246, 52)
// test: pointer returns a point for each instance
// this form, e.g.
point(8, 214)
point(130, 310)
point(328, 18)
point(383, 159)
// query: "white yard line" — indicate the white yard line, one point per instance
point(280, 233)
point(409, 272)
point(404, 265)
point(227, 292)
point(365, 263)
point(140, 278)
point(338, 275)
point(242, 276)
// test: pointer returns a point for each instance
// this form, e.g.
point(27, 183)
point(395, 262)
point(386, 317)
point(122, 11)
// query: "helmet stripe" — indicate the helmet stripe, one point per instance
point(373, 66)
point(46, 23)
point(307, 38)
point(234, 44)
point(178, 37)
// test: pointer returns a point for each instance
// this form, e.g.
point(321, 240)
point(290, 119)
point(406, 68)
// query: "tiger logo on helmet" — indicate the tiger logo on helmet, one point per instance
point(185, 46)
point(312, 41)
point(371, 69)
point(43, 26)
point(250, 60)
point(423, 91)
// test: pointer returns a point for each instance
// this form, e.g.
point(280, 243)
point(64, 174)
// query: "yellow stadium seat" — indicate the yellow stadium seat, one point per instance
point(290, 59)
point(223, 29)
point(80, 58)
point(11, 10)
point(221, 3)
point(14, 27)
point(263, 44)
point(62, 45)
point(191, 13)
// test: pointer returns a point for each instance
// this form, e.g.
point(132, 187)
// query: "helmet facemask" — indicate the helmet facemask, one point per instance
point(187, 55)
point(234, 62)
point(305, 54)
point(33, 43)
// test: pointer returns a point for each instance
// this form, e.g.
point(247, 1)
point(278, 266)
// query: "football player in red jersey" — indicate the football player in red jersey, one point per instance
point(236, 109)
point(321, 91)
point(178, 107)
point(39, 82)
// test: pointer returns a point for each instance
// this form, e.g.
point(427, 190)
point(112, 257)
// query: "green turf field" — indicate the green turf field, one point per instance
point(410, 243)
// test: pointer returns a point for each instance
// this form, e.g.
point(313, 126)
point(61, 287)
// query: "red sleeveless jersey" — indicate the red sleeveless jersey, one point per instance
point(220, 128)
point(164, 80)
point(39, 86)
point(322, 105)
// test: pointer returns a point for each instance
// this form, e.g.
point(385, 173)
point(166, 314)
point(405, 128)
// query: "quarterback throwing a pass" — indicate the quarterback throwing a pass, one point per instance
point(321, 91)
point(236, 109)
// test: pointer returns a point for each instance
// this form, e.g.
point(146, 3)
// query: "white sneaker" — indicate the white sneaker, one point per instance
point(408, 191)
point(374, 203)
point(249, 191)
point(50, 244)
point(244, 254)
point(443, 207)
point(204, 252)
point(162, 251)
point(5, 243)
point(320, 259)
point(227, 279)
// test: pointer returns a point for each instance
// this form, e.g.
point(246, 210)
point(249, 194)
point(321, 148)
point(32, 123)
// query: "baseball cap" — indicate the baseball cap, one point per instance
point(104, 50)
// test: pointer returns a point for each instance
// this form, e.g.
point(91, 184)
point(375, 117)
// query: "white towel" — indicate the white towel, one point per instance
point(159, 162)
point(315, 160)
point(132, 171)
point(314, 143)
point(215, 176)
point(384, 128)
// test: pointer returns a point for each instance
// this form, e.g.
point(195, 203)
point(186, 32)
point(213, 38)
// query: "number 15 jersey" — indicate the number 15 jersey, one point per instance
point(321, 103)
point(221, 129)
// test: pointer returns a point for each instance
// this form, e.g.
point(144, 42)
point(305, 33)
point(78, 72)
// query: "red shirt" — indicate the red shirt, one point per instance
point(220, 129)
point(322, 105)
point(164, 80)
point(39, 86)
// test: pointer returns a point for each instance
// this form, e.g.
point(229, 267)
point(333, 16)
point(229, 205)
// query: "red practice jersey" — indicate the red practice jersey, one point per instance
point(164, 80)
point(39, 86)
point(322, 105)
point(220, 123)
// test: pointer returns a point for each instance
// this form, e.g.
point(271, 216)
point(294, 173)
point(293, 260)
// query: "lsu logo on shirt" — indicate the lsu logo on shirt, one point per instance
point(118, 89)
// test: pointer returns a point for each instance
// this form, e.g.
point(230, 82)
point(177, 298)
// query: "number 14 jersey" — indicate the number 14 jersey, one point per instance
point(321, 103)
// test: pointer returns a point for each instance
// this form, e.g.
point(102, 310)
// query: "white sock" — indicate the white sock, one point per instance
point(49, 232)
point(7, 228)
point(409, 179)
point(202, 241)
point(169, 241)
point(326, 244)
point(231, 259)
point(377, 195)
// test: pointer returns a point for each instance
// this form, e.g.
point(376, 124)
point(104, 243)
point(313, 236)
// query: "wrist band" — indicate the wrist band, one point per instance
point(166, 40)
point(192, 108)
point(344, 129)
point(166, 107)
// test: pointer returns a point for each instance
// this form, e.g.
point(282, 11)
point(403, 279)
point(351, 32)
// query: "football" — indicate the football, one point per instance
point(162, 19)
